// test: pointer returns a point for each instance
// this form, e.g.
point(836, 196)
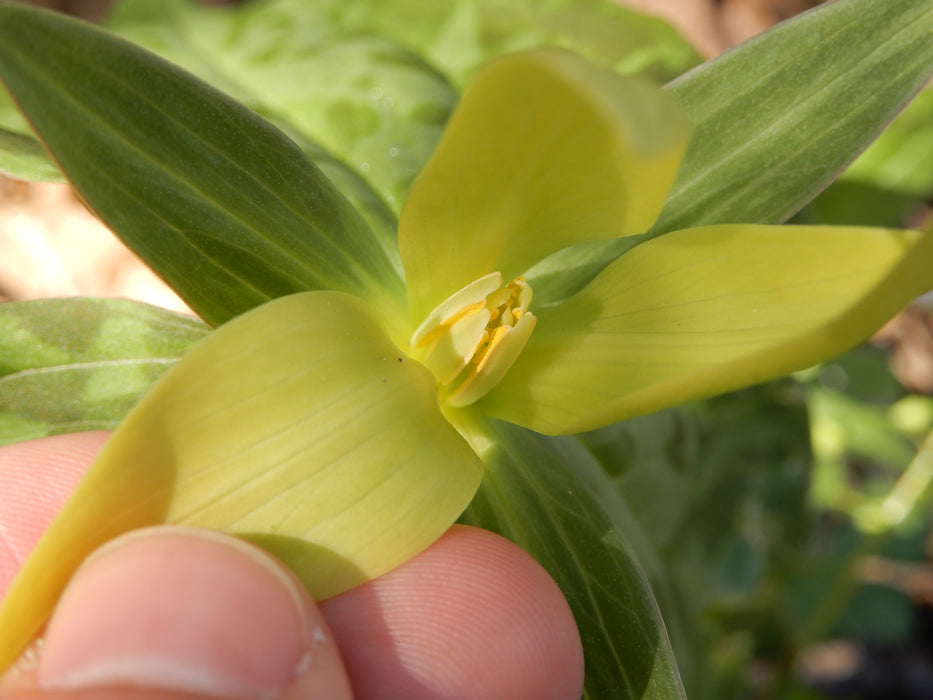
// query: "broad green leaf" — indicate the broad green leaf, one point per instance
point(706, 310)
point(900, 159)
point(368, 203)
point(887, 183)
point(374, 87)
point(222, 204)
point(532, 493)
point(225, 48)
point(68, 365)
point(852, 203)
point(648, 460)
point(21, 155)
point(22, 158)
point(299, 426)
point(545, 150)
point(459, 35)
point(371, 104)
point(566, 272)
point(661, 441)
point(776, 119)
point(712, 569)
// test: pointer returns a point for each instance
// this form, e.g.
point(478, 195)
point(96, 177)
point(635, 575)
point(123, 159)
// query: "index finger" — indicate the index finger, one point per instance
point(36, 478)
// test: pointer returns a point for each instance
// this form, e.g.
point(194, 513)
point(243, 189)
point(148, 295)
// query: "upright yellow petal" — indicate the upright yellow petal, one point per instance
point(706, 310)
point(544, 151)
point(298, 425)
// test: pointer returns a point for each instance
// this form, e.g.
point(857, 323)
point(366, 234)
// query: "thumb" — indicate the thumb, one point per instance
point(172, 613)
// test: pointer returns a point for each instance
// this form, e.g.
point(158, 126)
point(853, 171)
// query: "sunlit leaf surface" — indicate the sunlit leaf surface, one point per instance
point(68, 365)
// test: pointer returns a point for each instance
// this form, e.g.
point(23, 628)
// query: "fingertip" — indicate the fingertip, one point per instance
point(472, 616)
point(178, 612)
point(36, 478)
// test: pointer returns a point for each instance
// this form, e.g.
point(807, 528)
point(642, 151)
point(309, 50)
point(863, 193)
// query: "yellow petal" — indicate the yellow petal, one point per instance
point(544, 151)
point(707, 310)
point(298, 425)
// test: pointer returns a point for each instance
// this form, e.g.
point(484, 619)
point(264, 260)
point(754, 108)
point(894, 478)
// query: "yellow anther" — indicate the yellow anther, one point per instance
point(446, 324)
point(491, 344)
point(472, 339)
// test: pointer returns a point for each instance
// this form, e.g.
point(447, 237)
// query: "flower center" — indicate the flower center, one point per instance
point(472, 339)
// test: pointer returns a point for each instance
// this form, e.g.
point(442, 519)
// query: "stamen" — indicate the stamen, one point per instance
point(472, 339)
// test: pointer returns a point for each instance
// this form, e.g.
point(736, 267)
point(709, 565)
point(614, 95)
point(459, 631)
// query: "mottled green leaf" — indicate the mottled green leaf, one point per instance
point(227, 209)
point(68, 365)
point(532, 494)
point(372, 104)
point(225, 49)
point(459, 35)
point(371, 81)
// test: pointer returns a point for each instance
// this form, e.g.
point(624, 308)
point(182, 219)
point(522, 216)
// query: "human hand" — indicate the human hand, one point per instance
point(177, 613)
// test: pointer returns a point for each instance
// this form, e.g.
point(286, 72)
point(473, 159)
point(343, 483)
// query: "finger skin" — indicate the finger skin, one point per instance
point(36, 478)
point(471, 617)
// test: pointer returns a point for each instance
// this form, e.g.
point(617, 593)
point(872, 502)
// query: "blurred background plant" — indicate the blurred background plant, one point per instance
point(792, 520)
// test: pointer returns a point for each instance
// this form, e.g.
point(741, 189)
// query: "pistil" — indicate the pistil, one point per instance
point(472, 339)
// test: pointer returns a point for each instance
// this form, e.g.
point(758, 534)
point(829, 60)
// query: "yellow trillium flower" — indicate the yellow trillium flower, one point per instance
point(345, 434)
